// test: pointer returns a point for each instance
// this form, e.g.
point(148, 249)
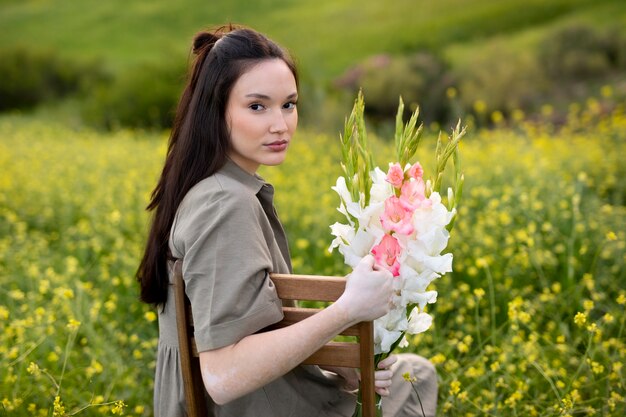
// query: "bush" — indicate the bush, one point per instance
point(144, 97)
point(500, 79)
point(29, 77)
point(421, 79)
point(580, 52)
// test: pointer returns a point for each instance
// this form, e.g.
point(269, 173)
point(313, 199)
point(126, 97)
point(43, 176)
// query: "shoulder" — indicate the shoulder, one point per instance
point(224, 204)
point(217, 202)
point(218, 191)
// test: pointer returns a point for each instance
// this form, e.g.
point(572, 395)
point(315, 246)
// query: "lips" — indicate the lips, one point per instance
point(278, 146)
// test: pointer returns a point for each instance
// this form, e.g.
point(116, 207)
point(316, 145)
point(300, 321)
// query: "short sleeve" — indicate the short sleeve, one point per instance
point(226, 265)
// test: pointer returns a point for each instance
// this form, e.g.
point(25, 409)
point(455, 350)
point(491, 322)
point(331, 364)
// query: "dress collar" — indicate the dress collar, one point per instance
point(254, 182)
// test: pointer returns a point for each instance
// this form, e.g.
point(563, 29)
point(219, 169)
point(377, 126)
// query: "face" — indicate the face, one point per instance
point(261, 115)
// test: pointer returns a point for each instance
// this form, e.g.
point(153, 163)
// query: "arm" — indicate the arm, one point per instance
point(256, 360)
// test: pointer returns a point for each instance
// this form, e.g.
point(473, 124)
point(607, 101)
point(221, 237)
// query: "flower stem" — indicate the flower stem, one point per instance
point(419, 399)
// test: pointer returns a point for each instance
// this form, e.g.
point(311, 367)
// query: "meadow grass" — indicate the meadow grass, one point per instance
point(531, 321)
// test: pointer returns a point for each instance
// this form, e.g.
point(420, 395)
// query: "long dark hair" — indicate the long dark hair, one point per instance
point(199, 140)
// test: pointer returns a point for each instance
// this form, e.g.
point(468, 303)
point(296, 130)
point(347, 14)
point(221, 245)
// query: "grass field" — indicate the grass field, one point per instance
point(531, 321)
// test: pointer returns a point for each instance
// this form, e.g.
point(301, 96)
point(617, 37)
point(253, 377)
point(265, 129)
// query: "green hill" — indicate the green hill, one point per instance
point(491, 46)
point(326, 35)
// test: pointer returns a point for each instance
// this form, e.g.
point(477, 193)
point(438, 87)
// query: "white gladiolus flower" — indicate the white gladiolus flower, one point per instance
point(369, 219)
point(388, 328)
point(414, 281)
point(359, 246)
point(343, 233)
point(381, 189)
point(403, 343)
point(419, 322)
point(421, 262)
point(420, 298)
point(433, 241)
point(342, 189)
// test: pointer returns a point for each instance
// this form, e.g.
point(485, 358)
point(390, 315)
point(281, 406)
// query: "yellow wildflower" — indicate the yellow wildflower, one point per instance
point(58, 408)
point(4, 313)
point(480, 106)
point(606, 91)
point(438, 359)
point(17, 294)
point(455, 387)
point(33, 369)
point(580, 319)
point(150, 316)
point(408, 378)
point(118, 408)
point(73, 324)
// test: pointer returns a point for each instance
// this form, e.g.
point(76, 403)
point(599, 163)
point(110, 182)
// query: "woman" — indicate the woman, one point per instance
point(238, 112)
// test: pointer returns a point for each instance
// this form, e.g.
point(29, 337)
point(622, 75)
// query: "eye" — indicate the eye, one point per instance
point(290, 105)
point(256, 107)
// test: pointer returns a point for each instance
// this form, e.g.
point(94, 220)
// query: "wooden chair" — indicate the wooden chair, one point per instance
point(359, 354)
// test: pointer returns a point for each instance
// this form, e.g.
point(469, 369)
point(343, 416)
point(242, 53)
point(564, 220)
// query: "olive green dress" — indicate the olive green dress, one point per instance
point(228, 234)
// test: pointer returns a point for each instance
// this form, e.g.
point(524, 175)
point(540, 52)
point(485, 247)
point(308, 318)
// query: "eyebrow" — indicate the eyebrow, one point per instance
point(266, 97)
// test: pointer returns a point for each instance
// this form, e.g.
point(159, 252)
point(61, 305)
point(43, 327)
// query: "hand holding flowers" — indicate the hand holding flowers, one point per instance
point(368, 292)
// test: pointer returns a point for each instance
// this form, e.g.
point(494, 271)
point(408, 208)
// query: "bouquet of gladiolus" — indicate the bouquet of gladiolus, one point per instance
point(400, 218)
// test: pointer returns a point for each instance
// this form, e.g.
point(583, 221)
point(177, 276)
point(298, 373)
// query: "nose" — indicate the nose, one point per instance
point(279, 124)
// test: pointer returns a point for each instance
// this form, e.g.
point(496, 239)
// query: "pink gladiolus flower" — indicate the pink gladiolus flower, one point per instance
point(396, 218)
point(395, 175)
point(412, 195)
point(416, 171)
point(386, 254)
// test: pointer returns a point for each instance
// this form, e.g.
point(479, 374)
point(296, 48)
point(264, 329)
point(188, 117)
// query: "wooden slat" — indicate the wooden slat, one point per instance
point(336, 354)
point(189, 316)
point(189, 361)
point(293, 315)
point(194, 348)
point(308, 287)
point(366, 345)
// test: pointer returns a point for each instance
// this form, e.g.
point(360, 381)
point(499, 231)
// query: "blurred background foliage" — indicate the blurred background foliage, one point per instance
point(117, 63)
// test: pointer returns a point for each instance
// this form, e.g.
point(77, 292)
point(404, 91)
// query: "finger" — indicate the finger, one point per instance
point(382, 383)
point(382, 270)
point(383, 375)
point(383, 392)
point(369, 261)
point(387, 362)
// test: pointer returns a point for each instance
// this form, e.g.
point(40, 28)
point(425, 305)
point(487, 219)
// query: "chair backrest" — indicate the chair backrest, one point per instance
point(357, 354)
point(195, 396)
